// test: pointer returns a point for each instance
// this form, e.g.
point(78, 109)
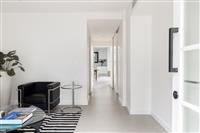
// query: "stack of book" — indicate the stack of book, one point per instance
point(17, 116)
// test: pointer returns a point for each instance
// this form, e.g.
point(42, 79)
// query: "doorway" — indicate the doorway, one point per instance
point(101, 66)
point(103, 40)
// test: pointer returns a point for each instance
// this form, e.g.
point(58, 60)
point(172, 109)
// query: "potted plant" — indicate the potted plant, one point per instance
point(8, 63)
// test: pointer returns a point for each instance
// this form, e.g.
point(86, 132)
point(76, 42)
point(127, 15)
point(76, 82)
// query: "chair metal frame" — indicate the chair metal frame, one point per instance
point(48, 102)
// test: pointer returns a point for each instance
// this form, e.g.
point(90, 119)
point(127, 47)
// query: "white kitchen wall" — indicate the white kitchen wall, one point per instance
point(161, 14)
point(52, 46)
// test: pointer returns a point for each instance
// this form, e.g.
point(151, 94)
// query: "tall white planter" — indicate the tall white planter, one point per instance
point(5, 90)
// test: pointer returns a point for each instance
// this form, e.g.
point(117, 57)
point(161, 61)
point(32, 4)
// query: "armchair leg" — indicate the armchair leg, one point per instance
point(20, 97)
point(49, 103)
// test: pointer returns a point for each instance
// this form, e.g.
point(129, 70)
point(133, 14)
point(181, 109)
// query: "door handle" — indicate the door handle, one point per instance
point(171, 41)
point(175, 95)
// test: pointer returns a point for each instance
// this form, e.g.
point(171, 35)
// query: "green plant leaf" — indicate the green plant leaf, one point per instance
point(1, 55)
point(15, 63)
point(19, 63)
point(12, 62)
point(15, 57)
point(9, 59)
point(11, 53)
point(2, 61)
point(22, 68)
point(11, 72)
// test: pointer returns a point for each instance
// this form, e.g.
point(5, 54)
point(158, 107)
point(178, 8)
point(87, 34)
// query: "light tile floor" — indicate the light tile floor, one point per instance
point(105, 114)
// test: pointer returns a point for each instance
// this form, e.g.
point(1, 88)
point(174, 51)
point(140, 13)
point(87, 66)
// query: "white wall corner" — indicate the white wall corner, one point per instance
point(121, 101)
point(128, 109)
point(124, 102)
point(162, 122)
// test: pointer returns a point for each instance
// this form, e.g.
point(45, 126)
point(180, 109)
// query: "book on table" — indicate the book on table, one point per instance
point(24, 109)
point(16, 117)
point(9, 126)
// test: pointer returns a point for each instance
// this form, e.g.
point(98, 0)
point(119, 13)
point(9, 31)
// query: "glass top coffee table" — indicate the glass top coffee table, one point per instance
point(38, 115)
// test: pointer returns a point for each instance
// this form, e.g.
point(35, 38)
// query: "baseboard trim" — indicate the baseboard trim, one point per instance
point(128, 109)
point(161, 122)
point(121, 101)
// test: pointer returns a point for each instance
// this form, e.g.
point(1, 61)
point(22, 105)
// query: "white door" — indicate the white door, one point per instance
point(186, 78)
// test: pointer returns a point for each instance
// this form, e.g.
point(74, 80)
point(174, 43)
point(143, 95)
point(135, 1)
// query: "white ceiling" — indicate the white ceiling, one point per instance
point(75, 0)
point(65, 5)
point(102, 30)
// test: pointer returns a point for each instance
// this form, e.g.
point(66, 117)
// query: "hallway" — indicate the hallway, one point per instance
point(105, 114)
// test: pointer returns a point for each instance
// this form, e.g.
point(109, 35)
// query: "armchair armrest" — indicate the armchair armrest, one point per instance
point(53, 93)
point(24, 90)
point(53, 85)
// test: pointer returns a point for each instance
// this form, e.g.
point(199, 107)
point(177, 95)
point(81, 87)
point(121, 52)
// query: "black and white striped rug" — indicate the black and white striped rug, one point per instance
point(55, 123)
point(60, 123)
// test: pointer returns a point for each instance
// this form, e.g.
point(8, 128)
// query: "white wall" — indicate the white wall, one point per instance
point(90, 84)
point(52, 46)
point(5, 90)
point(120, 64)
point(140, 64)
point(115, 62)
point(161, 15)
point(109, 61)
point(126, 54)
point(91, 70)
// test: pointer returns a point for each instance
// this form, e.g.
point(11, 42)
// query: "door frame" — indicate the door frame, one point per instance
point(124, 25)
point(177, 80)
point(90, 63)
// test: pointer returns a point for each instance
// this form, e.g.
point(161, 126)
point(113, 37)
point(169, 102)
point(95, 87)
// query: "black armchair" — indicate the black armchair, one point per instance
point(45, 95)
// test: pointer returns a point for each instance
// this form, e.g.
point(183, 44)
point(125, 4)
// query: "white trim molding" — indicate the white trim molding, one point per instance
point(162, 122)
